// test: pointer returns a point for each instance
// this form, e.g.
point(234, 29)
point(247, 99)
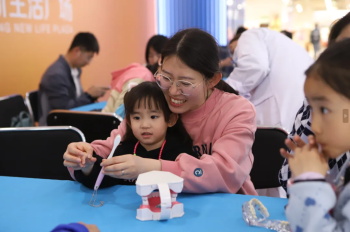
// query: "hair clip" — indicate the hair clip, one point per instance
point(256, 214)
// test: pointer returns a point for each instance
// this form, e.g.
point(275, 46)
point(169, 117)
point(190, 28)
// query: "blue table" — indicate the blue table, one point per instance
point(92, 106)
point(39, 205)
point(99, 106)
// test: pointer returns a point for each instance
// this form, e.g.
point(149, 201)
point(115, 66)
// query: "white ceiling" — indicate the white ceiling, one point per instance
point(321, 4)
point(314, 11)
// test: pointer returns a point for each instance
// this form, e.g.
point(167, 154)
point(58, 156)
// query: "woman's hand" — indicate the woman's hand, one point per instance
point(129, 166)
point(306, 158)
point(78, 156)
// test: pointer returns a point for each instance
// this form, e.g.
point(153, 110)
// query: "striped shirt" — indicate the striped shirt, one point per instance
point(302, 127)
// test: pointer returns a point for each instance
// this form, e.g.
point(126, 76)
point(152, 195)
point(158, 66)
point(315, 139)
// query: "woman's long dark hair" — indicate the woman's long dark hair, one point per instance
point(149, 94)
point(199, 51)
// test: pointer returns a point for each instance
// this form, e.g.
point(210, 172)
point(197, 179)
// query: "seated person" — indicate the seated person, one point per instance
point(122, 81)
point(153, 131)
point(60, 86)
point(215, 118)
point(153, 51)
point(302, 125)
point(315, 204)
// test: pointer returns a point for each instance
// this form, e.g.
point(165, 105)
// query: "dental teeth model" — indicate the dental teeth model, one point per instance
point(256, 214)
point(158, 191)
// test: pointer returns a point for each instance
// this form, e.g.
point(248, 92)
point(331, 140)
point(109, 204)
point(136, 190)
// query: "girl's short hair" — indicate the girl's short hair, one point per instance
point(199, 51)
point(333, 67)
point(149, 94)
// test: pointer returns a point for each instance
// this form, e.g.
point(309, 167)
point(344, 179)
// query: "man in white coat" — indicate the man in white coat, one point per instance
point(269, 72)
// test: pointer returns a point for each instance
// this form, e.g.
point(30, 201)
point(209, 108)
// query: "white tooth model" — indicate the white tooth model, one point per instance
point(161, 204)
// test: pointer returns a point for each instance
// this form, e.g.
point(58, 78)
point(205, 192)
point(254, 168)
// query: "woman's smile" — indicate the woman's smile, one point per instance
point(176, 102)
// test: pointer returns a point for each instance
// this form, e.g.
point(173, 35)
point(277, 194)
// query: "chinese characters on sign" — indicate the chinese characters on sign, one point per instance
point(2, 8)
point(66, 11)
point(38, 10)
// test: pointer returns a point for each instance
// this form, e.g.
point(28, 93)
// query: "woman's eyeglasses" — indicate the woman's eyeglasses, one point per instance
point(165, 83)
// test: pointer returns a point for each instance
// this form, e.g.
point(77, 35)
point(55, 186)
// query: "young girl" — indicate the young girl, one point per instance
point(313, 203)
point(302, 124)
point(221, 124)
point(152, 131)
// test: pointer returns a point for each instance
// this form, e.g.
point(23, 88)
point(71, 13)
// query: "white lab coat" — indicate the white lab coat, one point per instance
point(270, 73)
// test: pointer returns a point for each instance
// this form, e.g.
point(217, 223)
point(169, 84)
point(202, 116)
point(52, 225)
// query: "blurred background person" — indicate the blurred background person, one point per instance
point(270, 73)
point(60, 86)
point(125, 78)
point(226, 65)
point(122, 81)
point(315, 39)
point(153, 51)
point(240, 30)
point(287, 33)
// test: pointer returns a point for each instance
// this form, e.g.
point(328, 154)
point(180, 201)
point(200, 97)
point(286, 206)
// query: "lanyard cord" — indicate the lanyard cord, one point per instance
point(160, 152)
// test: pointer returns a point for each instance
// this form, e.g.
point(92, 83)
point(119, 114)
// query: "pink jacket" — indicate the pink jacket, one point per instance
point(224, 127)
point(134, 70)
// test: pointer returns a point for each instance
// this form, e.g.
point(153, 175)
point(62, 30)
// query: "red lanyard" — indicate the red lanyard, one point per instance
point(160, 152)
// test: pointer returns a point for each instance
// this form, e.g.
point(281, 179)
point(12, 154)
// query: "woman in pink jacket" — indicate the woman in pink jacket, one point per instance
point(221, 124)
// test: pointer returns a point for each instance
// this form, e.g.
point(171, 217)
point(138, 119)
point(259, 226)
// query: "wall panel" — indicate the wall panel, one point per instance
point(34, 32)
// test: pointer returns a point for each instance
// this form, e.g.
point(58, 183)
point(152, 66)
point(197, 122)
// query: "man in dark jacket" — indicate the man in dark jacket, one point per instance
point(60, 86)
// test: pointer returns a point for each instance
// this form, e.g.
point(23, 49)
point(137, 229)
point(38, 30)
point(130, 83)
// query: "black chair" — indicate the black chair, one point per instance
point(36, 152)
point(32, 103)
point(14, 112)
point(267, 158)
point(94, 125)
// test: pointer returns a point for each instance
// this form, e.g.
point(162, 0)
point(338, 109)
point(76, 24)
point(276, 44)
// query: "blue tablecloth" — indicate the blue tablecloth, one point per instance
point(92, 106)
point(39, 205)
point(98, 106)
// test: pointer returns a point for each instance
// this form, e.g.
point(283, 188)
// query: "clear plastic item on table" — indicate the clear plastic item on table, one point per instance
point(256, 214)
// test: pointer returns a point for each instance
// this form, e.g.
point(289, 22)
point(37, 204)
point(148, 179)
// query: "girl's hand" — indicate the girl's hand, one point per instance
point(79, 157)
point(129, 166)
point(298, 142)
point(307, 158)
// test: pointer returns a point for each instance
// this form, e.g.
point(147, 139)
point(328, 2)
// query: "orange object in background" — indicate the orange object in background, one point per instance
point(33, 35)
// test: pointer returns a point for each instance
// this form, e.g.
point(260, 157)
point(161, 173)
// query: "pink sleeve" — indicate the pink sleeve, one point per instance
point(227, 168)
point(104, 147)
